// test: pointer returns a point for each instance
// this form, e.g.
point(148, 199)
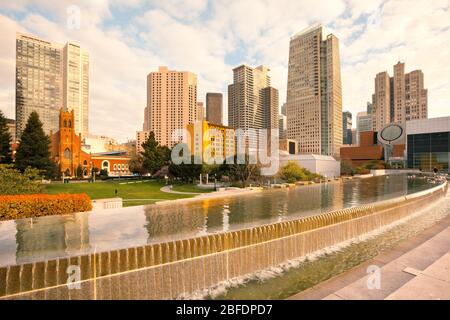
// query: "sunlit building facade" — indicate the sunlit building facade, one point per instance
point(314, 97)
point(171, 103)
point(76, 86)
point(51, 76)
point(210, 140)
point(38, 82)
point(399, 98)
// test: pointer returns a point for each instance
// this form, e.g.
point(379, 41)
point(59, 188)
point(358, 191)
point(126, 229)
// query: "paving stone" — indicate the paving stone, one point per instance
point(423, 287)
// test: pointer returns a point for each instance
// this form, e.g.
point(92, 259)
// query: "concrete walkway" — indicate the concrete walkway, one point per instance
point(168, 189)
point(418, 268)
point(432, 283)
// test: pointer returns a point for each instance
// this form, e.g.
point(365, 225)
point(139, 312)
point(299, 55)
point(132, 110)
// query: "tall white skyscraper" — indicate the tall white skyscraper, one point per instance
point(51, 76)
point(76, 86)
point(314, 97)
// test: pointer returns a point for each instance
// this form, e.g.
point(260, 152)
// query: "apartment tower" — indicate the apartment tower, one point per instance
point(171, 103)
point(347, 128)
point(51, 76)
point(214, 102)
point(38, 82)
point(314, 96)
point(252, 102)
point(76, 86)
point(200, 111)
point(399, 98)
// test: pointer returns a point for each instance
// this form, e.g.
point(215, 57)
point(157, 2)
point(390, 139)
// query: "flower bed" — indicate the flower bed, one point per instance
point(38, 205)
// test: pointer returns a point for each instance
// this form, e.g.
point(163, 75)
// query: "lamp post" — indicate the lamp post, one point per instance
point(215, 182)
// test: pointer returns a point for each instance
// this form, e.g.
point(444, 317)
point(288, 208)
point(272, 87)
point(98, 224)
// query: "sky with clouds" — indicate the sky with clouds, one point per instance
point(128, 39)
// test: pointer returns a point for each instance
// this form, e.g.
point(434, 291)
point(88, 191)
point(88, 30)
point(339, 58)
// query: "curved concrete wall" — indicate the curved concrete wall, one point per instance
point(168, 270)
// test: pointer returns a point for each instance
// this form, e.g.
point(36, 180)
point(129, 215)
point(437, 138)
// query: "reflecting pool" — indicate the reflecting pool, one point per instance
point(28, 240)
point(285, 282)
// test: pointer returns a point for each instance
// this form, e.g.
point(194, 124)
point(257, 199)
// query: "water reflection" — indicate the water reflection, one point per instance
point(45, 238)
point(28, 240)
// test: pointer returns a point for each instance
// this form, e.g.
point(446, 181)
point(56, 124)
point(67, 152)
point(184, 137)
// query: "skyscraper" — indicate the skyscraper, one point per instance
point(347, 127)
point(363, 122)
point(214, 107)
point(381, 112)
point(252, 102)
point(171, 103)
point(76, 86)
point(38, 82)
point(282, 123)
point(399, 98)
point(141, 137)
point(283, 109)
point(314, 97)
point(50, 76)
point(271, 111)
point(200, 111)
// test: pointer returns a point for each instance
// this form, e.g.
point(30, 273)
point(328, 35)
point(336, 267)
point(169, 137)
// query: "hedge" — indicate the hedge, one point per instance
point(38, 205)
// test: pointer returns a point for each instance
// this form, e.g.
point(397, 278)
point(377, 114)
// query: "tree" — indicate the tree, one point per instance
point(5, 141)
point(185, 171)
point(12, 181)
point(246, 171)
point(103, 174)
point(136, 164)
point(292, 172)
point(154, 156)
point(79, 172)
point(346, 168)
point(34, 148)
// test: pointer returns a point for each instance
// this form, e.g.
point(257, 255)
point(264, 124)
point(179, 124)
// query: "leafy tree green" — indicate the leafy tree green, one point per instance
point(5, 141)
point(185, 171)
point(245, 172)
point(136, 164)
point(79, 172)
point(292, 172)
point(34, 148)
point(346, 168)
point(103, 174)
point(362, 170)
point(12, 181)
point(154, 156)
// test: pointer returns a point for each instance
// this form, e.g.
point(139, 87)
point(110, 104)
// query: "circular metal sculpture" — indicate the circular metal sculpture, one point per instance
point(390, 133)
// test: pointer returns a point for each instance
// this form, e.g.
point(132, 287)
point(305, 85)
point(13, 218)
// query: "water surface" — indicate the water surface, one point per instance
point(28, 240)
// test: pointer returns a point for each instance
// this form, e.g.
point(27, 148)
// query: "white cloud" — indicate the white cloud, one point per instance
point(210, 38)
point(182, 9)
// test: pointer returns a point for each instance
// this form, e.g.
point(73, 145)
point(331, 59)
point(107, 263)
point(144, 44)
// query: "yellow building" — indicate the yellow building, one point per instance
point(210, 141)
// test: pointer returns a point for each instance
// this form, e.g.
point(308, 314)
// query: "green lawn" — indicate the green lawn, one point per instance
point(132, 193)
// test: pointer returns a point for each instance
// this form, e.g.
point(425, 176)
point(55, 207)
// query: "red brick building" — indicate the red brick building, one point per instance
point(368, 150)
point(66, 152)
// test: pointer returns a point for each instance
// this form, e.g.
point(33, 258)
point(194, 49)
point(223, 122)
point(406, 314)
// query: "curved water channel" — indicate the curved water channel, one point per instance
point(284, 281)
point(28, 240)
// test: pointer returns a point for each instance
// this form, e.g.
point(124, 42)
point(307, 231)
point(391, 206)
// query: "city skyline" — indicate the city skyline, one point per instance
point(117, 89)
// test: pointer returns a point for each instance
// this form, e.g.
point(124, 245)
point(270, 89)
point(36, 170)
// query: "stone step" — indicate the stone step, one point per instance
point(431, 284)
point(399, 272)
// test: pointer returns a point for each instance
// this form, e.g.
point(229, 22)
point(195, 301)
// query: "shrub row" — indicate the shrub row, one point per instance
point(38, 205)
